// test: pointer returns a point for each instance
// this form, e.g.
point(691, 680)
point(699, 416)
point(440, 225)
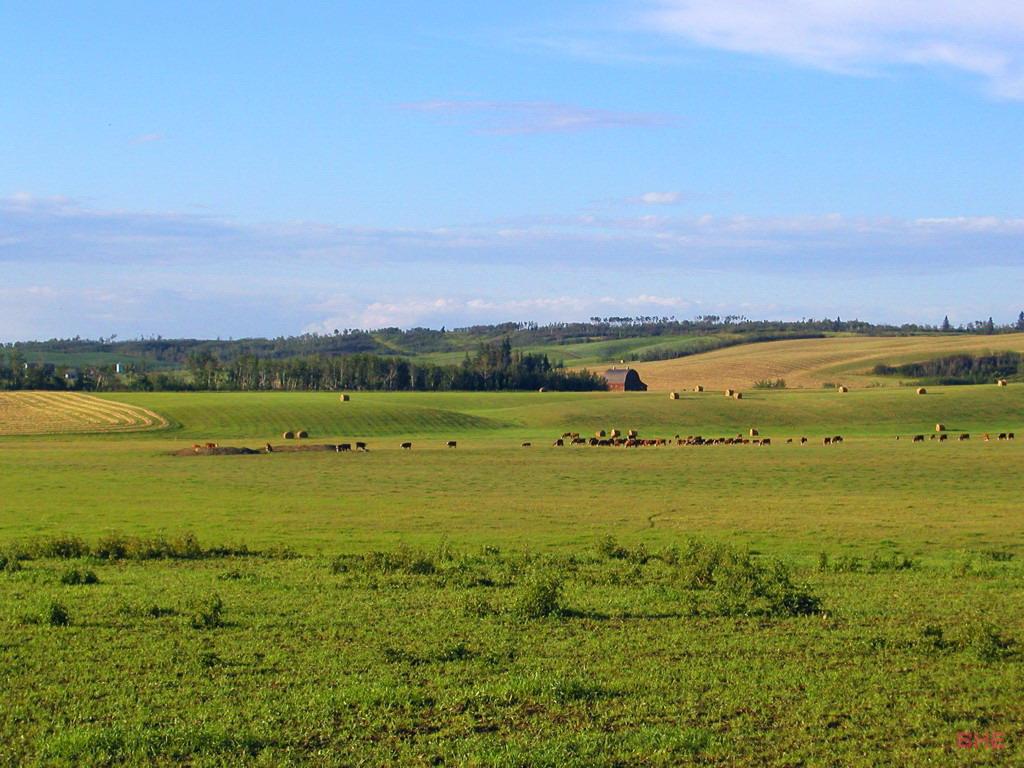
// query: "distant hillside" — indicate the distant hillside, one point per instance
point(811, 363)
point(593, 343)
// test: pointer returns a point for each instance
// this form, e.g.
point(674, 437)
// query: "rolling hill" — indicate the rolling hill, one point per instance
point(810, 363)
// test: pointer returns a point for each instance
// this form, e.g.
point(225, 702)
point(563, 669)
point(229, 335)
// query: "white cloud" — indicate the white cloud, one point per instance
point(453, 311)
point(72, 269)
point(661, 198)
point(981, 37)
point(522, 117)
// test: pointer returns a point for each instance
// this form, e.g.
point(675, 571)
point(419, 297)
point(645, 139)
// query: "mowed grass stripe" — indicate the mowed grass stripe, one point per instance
point(542, 417)
point(265, 415)
point(42, 413)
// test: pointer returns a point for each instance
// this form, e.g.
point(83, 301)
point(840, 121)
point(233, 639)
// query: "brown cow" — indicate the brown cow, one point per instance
point(918, 438)
point(827, 441)
point(963, 437)
point(943, 437)
point(526, 445)
point(558, 443)
point(450, 444)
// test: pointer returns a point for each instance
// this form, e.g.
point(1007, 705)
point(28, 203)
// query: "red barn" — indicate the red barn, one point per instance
point(624, 380)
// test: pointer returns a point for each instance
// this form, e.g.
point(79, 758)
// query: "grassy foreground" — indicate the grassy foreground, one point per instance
point(792, 605)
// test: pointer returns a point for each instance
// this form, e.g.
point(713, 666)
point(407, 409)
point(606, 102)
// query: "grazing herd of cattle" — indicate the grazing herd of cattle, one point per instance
point(614, 438)
point(963, 436)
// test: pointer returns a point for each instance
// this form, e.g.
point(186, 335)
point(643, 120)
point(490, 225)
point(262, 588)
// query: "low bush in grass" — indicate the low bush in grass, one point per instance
point(9, 562)
point(207, 612)
point(75, 576)
point(878, 563)
point(989, 644)
point(116, 546)
point(62, 547)
point(610, 549)
point(742, 585)
point(540, 595)
point(57, 615)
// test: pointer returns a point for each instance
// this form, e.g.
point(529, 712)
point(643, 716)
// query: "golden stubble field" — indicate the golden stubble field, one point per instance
point(809, 363)
point(46, 413)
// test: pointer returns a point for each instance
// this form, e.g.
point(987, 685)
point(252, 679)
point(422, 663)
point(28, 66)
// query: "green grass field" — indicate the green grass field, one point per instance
point(857, 604)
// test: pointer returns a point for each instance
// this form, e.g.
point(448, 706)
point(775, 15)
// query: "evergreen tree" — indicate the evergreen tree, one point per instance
point(946, 327)
point(1020, 322)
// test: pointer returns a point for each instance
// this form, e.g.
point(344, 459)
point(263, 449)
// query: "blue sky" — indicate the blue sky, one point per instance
point(222, 169)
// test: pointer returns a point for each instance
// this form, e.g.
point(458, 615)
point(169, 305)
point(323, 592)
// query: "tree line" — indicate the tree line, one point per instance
point(494, 367)
point(958, 369)
point(398, 342)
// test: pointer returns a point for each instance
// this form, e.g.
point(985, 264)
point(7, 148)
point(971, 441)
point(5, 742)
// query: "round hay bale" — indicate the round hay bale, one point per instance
point(542, 389)
point(615, 433)
point(1001, 383)
point(345, 398)
point(754, 432)
point(698, 388)
point(738, 395)
point(301, 434)
point(289, 435)
point(673, 395)
point(940, 427)
point(843, 389)
point(922, 391)
point(599, 433)
point(730, 392)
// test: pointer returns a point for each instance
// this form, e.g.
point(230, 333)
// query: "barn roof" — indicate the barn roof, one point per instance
point(617, 375)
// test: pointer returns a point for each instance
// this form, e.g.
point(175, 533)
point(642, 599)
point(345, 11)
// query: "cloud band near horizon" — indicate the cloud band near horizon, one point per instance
point(75, 270)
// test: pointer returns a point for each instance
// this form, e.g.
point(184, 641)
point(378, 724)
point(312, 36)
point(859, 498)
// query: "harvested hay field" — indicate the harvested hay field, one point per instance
point(57, 413)
point(809, 363)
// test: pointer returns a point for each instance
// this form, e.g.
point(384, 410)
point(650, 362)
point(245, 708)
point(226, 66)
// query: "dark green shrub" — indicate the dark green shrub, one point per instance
point(403, 560)
point(56, 615)
point(9, 562)
point(880, 563)
point(64, 547)
point(933, 638)
point(112, 547)
point(456, 651)
point(478, 606)
point(989, 644)
point(75, 576)
point(609, 548)
point(741, 585)
point(540, 596)
point(208, 612)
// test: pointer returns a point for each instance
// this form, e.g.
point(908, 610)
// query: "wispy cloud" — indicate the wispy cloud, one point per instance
point(983, 37)
point(661, 198)
point(524, 117)
point(69, 268)
point(449, 310)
